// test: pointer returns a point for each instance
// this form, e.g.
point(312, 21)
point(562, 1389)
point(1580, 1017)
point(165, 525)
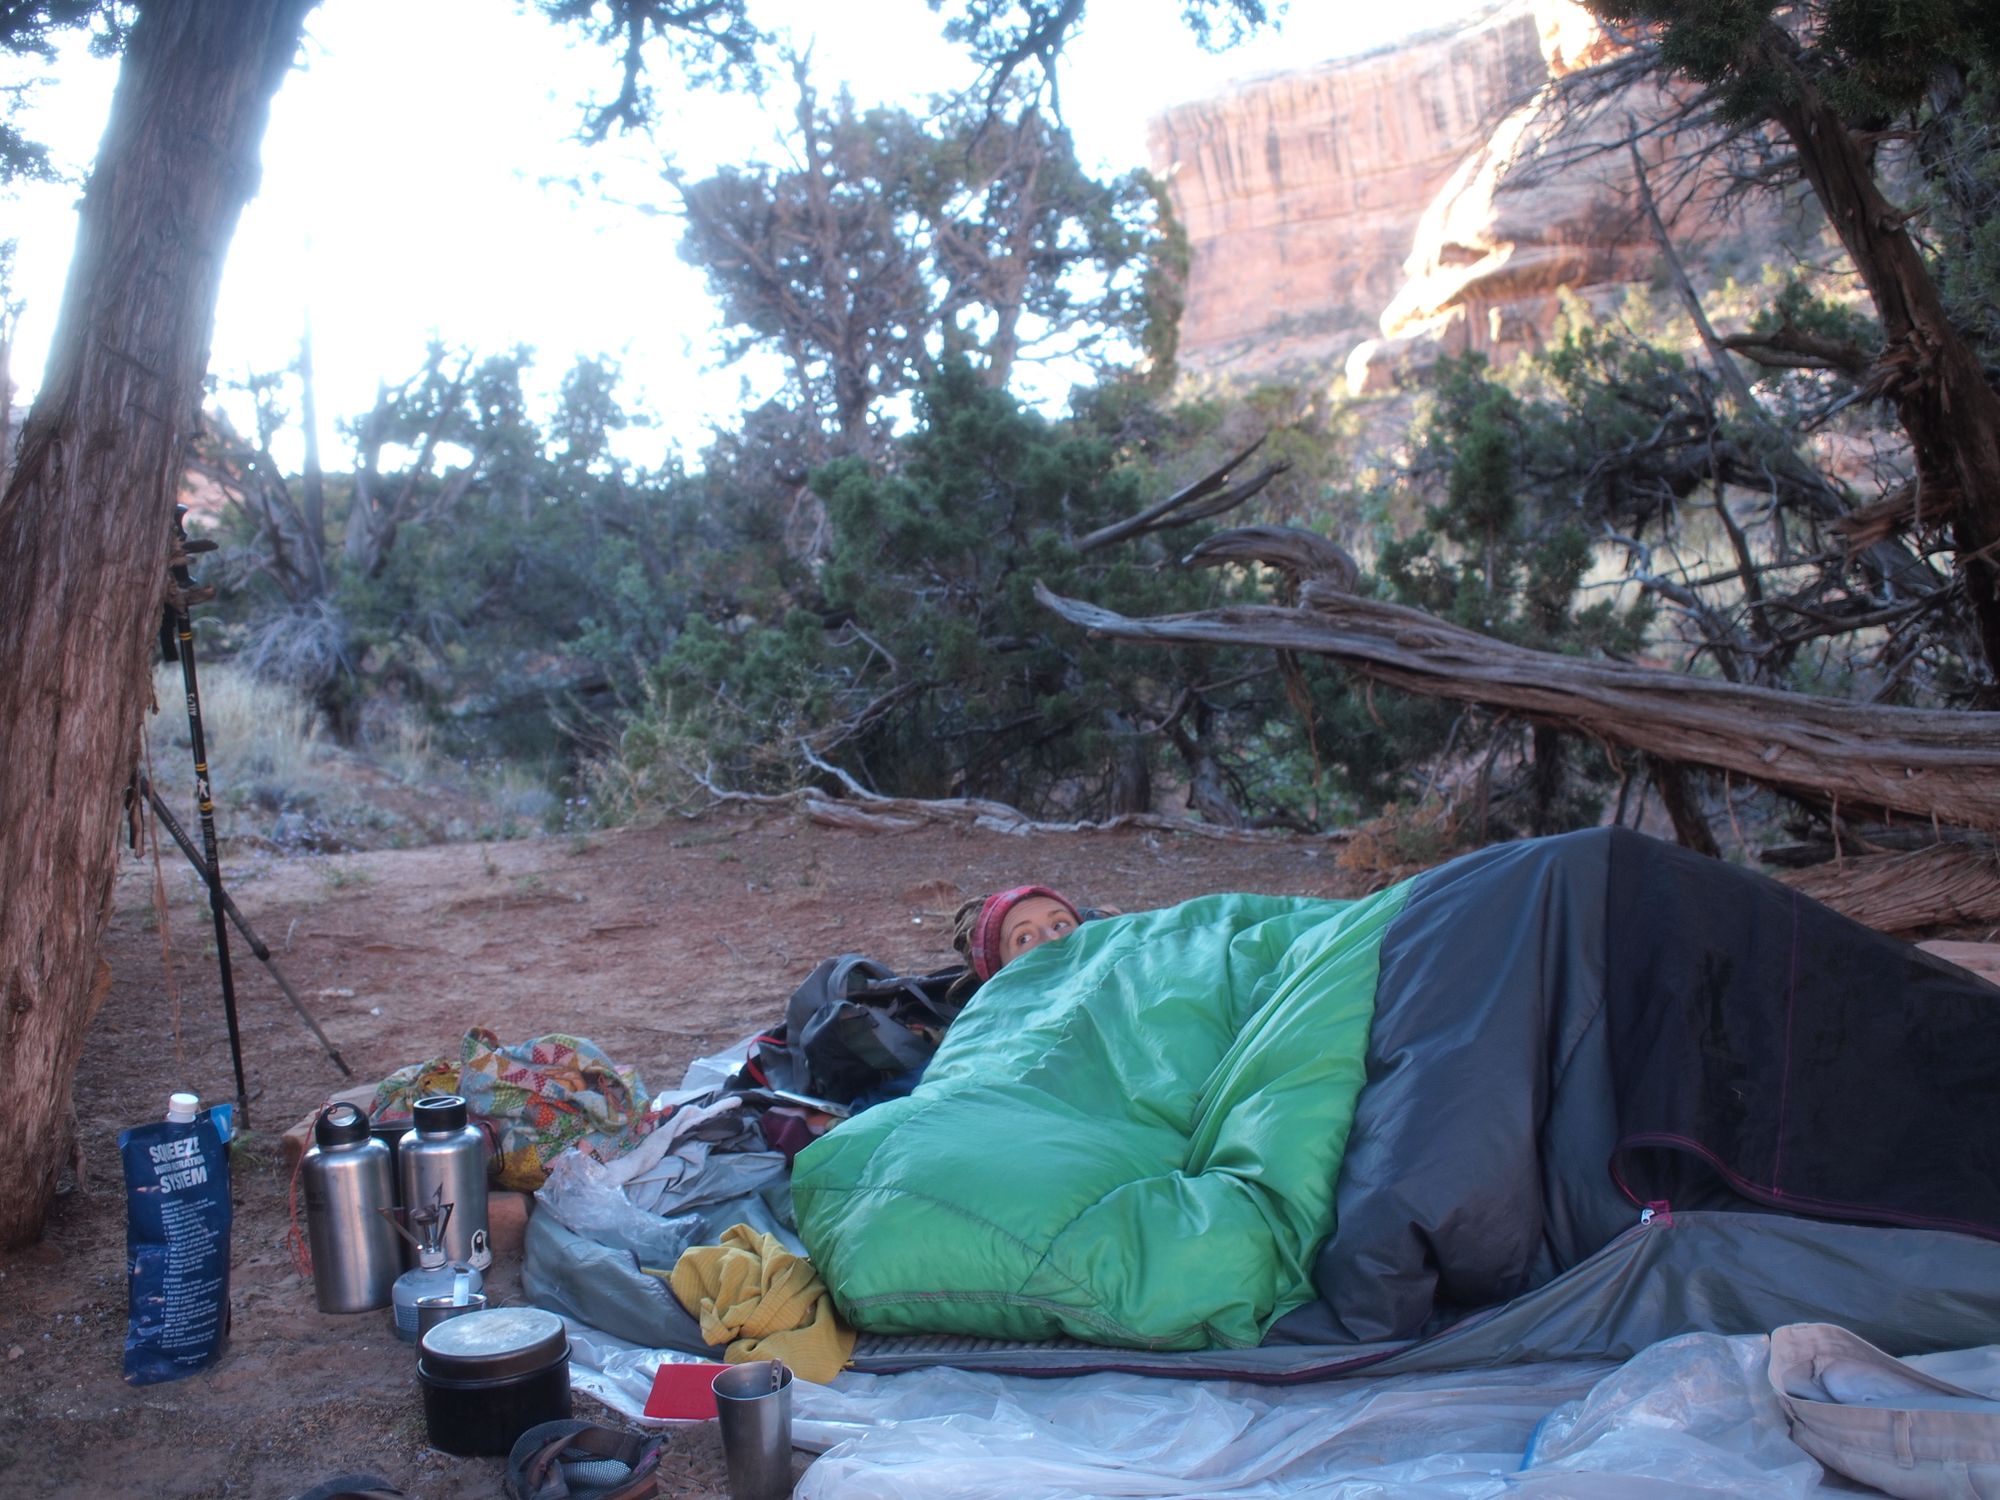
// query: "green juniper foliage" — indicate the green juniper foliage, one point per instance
point(891, 241)
point(1959, 152)
point(927, 668)
point(1495, 469)
point(1504, 549)
point(1874, 58)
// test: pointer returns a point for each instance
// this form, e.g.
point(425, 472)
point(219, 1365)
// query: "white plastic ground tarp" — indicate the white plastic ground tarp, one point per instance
point(1691, 1416)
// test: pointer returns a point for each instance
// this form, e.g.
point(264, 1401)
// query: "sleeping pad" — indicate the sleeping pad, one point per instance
point(1130, 1136)
point(1503, 1083)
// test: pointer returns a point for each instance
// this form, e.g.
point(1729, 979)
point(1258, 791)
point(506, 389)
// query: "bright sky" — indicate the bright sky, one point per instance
point(403, 193)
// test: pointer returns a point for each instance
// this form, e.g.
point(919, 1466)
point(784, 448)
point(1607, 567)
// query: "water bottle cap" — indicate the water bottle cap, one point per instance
point(340, 1125)
point(182, 1108)
point(439, 1114)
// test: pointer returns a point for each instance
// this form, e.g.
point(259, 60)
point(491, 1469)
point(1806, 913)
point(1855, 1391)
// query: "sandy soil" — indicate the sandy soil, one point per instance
point(661, 945)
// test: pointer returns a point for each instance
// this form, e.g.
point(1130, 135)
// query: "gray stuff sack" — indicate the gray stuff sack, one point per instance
point(1883, 1421)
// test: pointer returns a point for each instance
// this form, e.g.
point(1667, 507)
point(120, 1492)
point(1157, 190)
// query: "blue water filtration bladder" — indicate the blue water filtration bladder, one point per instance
point(177, 1215)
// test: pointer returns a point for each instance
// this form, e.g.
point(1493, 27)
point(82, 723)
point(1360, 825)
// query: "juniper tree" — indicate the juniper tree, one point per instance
point(1832, 77)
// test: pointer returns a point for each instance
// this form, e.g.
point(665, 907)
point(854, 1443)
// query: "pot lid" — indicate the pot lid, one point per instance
point(494, 1344)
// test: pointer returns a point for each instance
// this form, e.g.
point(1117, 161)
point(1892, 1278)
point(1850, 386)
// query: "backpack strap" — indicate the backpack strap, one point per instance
point(929, 993)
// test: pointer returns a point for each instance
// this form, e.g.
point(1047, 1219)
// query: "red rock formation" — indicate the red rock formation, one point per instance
point(1300, 192)
point(1369, 213)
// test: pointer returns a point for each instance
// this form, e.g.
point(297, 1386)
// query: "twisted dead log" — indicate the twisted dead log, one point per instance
point(863, 811)
point(900, 814)
point(1854, 757)
point(1944, 885)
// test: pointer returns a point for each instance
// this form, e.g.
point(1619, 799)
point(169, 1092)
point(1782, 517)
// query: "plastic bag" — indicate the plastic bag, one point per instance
point(581, 1193)
point(943, 1432)
point(1695, 1410)
point(1691, 1416)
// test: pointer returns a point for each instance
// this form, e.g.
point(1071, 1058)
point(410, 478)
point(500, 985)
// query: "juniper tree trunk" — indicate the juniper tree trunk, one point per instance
point(84, 529)
point(1926, 368)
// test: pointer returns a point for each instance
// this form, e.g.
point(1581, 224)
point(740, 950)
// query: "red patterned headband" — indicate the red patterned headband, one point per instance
point(986, 954)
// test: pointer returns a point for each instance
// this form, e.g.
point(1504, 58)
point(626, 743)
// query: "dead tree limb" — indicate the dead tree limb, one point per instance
point(1944, 885)
point(1210, 495)
point(1683, 806)
point(1790, 348)
point(1926, 763)
point(1982, 959)
point(1718, 354)
point(1296, 554)
point(869, 812)
point(896, 814)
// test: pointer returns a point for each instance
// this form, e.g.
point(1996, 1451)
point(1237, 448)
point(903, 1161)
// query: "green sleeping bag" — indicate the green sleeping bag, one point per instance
point(1130, 1136)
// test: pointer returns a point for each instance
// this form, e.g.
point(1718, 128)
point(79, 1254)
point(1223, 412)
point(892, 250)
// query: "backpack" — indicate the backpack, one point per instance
point(851, 1025)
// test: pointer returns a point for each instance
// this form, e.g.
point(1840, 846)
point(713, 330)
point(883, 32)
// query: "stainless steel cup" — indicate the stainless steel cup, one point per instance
point(754, 1405)
point(432, 1311)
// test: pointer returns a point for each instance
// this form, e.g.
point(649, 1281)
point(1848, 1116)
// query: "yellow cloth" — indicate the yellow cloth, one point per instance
point(764, 1302)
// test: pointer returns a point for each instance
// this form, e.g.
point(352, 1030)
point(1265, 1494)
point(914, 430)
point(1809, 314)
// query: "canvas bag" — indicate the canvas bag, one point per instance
point(1872, 1417)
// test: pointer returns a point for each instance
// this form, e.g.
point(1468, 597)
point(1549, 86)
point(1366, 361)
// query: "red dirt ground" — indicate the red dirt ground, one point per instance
point(660, 945)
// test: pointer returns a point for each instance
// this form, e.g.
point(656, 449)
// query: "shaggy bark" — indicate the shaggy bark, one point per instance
point(1855, 757)
point(84, 527)
point(1943, 885)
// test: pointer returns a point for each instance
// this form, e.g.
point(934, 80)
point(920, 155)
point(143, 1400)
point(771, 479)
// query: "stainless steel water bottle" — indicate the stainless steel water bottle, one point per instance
point(443, 1160)
point(348, 1184)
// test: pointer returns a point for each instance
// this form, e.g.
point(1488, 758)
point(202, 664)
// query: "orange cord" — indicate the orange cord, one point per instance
point(295, 1236)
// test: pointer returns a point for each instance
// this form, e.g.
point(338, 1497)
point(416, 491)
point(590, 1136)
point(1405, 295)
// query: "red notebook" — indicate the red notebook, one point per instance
point(683, 1392)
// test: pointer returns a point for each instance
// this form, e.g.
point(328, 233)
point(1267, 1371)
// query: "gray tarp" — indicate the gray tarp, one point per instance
point(1906, 1290)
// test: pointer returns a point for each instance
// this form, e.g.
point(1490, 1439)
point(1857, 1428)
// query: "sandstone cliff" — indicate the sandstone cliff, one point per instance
point(1363, 214)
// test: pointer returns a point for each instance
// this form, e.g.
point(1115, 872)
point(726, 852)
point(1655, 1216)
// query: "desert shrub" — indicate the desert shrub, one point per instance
point(257, 732)
point(920, 663)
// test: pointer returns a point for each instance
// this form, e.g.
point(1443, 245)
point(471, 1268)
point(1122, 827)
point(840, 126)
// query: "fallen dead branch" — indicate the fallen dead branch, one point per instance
point(1945, 885)
point(894, 813)
point(1211, 495)
point(1853, 757)
point(869, 812)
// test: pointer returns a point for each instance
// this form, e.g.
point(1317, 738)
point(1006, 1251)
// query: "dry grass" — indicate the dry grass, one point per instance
point(281, 782)
point(1403, 840)
point(254, 731)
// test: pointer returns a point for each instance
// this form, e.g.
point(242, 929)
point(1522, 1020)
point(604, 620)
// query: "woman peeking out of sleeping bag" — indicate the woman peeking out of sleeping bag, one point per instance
point(1557, 1063)
point(990, 931)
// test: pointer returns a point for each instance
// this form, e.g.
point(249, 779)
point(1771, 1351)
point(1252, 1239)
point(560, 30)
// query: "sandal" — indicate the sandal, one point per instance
point(572, 1460)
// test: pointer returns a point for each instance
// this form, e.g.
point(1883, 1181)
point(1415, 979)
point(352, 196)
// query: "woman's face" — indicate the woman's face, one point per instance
point(1032, 922)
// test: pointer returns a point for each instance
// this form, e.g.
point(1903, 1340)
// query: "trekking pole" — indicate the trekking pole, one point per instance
point(182, 595)
point(172, 825)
